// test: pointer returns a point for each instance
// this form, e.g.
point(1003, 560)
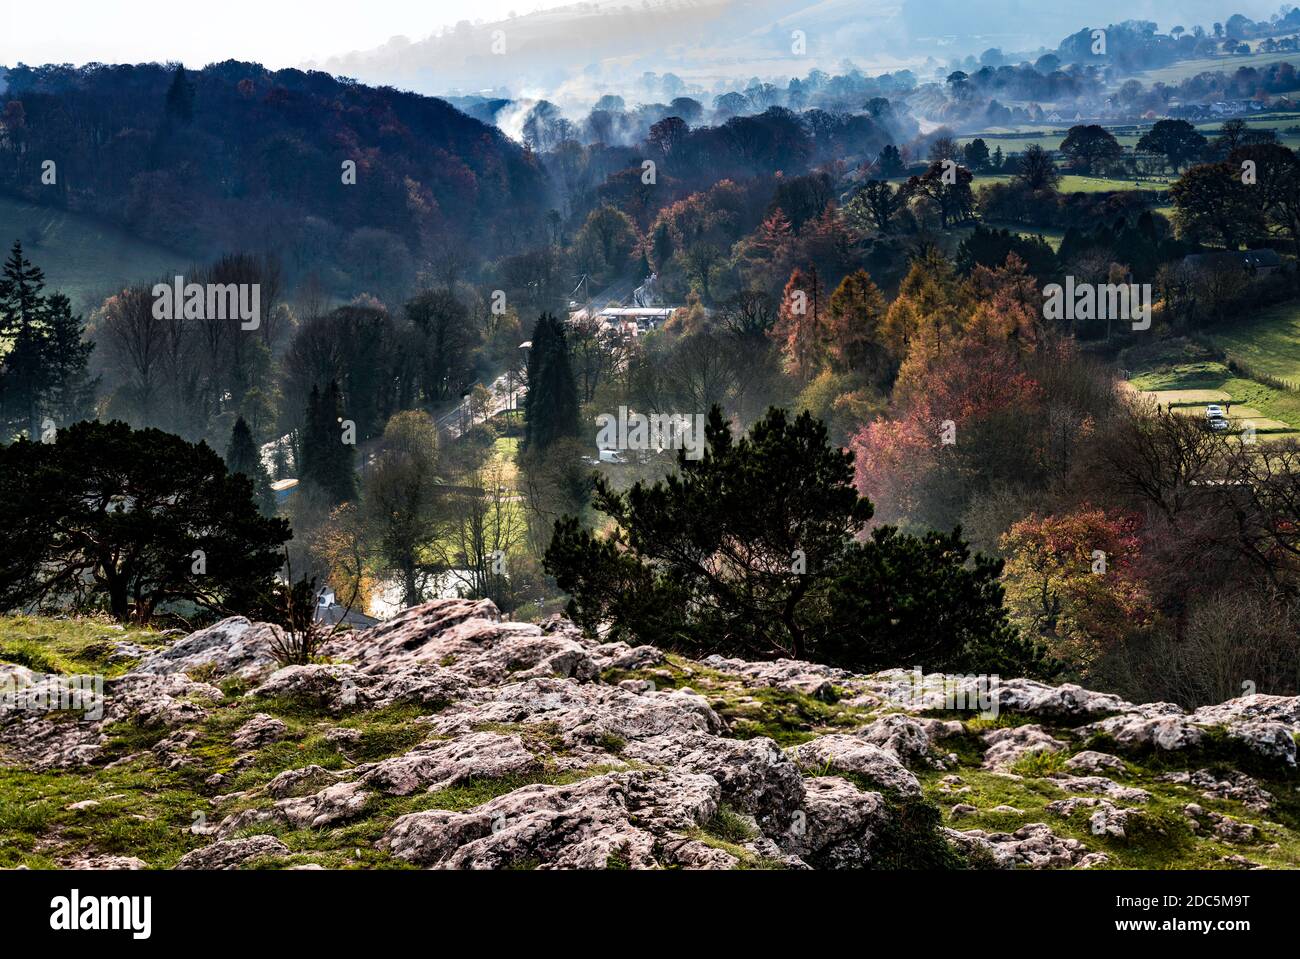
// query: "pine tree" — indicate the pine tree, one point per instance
point(243, 456)
point(180, 97)
point(71, 394)
point(327, 461)
point(551, 403)
point(44, 372)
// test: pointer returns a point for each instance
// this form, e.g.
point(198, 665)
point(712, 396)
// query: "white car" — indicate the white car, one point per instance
point(1214, 412)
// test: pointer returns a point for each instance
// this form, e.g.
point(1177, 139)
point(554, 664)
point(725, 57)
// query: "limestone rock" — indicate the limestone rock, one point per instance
point(106, 862)
point(232, 853)
point(1037, 847)
point(1134, 731)
point(839, 826)
point(469, 636)
point(851, 754)
point(1008, 744)
point(1099, 785)
point(439, 764)
point(604, 820)
point(754, 775)
point(261, 730)
point(906, 737)
point(232, 647)
point(1091, 762)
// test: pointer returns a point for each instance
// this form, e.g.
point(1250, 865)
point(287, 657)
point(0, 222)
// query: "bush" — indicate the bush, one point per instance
point(754, 550)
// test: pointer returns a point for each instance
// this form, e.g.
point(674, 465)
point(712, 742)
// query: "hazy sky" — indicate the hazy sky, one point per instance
point(276, 33)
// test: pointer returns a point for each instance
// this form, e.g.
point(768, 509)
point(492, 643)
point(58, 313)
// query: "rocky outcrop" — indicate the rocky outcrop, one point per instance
point(612, 820)
point(232, 647)
point(455, 740)
point(35, 734)
point(1008, 745)
point(233, 853)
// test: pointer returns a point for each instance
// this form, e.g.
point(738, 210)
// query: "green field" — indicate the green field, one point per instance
point(1074, 183)
point(1128, 134)
point(82, 256)
point(1052, 237)
point(1189, 387)
point(1178, 72)
point(1269, 343)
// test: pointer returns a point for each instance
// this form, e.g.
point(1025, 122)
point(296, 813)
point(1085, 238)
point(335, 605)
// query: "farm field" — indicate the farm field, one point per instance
point(83, 257)
point(1190, 387)
point(1178, 72)
point(1269, 344)
point(1128, 134)
point(1051, 236)
point(1074, 183)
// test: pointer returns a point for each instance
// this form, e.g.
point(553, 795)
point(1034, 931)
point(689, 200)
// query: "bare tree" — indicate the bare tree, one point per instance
point(138, 345)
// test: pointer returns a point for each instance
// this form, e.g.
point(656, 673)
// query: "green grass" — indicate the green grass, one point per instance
point(1269, 342)
point(76, 645)
point(1075, 183)
point(84, 257)
point(1052, 237)
point(1187, 378)
point(1177, 72)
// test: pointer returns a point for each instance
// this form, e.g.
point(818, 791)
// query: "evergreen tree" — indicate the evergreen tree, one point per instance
point(180, 97)
point(760, 549)
point(22, 323)
point(551, 403)
point(133, 519)
point(327, 461)
point(243, 456)
point(977, 154)
point(891, 161)
point(71, 394)
point(44, 370)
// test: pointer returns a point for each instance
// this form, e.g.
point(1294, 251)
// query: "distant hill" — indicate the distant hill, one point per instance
point(238, 157)
point(83, 257)
point(581, 50)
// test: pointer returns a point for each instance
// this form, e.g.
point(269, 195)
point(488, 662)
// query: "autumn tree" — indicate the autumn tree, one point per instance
point(854, 340)
point(799, 331)
point(927, 308)
point(1072, 581)
point(604, 243)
